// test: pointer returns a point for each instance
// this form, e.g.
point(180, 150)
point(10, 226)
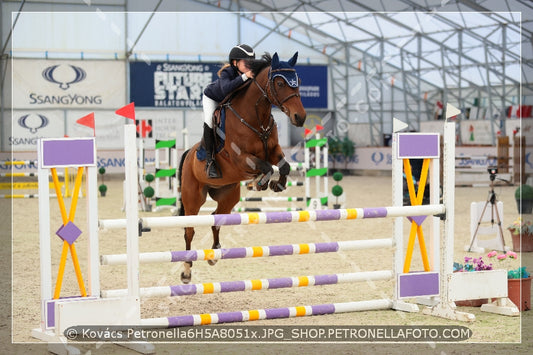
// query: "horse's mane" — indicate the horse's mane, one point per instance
point(256, 65)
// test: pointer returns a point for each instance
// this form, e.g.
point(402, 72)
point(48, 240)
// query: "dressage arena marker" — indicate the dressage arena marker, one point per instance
point(58, 315)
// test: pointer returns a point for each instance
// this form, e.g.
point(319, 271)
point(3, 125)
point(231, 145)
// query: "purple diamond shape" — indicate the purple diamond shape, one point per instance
point(417, 219)
point(69, 232)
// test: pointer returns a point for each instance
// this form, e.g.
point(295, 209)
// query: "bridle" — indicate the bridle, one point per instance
point(272, 88)
point(269, 94)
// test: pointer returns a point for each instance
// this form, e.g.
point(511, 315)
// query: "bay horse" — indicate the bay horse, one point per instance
point(251, 145)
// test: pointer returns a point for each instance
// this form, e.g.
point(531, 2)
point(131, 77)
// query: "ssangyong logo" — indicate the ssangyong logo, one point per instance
point(33, 122)
point(64, 77)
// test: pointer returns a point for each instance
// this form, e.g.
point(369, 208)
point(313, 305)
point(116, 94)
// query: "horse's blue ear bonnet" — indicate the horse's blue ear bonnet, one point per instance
point(285, 70)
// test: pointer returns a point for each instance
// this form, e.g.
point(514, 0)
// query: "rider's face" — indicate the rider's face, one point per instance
point(242, 65)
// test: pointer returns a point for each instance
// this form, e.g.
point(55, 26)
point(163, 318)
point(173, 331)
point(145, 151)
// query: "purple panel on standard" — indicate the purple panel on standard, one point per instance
point(418, 145)
point(277, 313)
point(326, 247)
point(232, 286)
point(227, 219)
point(279, 217)
point(418, 284)
point(180, 321)
point(233, 253)
point(69, 232)
point(327, 215)
point(326, 279)
point(183, 290)
point(378, 212)
point(277, 250)
point(67, 152)
point(184, 255)
point(417, 219)
point(323, 309)
point(229, 317)
point(50, 314)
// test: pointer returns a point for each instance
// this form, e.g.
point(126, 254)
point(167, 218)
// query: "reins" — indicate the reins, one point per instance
point(264, 131)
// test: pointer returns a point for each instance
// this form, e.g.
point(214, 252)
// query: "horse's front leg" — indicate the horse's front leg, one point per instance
point(253, 163)
point(284, 170)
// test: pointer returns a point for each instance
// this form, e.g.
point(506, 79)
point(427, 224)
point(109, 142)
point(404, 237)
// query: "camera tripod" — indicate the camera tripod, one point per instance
point(494, 212)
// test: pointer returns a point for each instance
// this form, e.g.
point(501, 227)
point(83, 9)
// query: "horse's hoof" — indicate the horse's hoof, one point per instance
point(185, 279)
point(261, 187)
point(276, 186)
point(212, 262)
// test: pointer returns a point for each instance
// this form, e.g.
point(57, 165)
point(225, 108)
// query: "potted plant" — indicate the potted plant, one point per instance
point(334, 148)
point(519, 288)
point(103, 189)
point(471, 265)
point(337, 189)
point(148, 192)
point(522, 235)
point(347, 150)
point(524, 198)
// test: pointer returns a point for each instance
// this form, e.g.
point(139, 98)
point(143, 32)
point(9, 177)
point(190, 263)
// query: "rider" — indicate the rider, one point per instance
point(230, 77)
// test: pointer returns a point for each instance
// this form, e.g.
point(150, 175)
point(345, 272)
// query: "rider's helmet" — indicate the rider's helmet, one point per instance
point(241, 51)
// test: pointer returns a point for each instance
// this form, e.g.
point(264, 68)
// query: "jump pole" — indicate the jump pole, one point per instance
point(254, 285)
point(249, 252)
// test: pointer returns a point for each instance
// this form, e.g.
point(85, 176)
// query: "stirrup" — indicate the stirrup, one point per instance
point(212, 170)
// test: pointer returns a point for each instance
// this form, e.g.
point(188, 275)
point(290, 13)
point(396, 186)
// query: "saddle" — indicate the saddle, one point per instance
point(219, 122)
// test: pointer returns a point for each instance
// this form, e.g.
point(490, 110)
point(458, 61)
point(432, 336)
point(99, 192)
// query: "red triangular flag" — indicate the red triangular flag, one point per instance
point(307, 132)
point(127, 111)
point(88, 121)
point(319, 127)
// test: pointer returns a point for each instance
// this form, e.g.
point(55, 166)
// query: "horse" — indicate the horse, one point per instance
point(250, 148)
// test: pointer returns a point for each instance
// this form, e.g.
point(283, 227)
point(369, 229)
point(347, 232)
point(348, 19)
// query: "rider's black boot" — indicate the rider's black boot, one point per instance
point(211, 167)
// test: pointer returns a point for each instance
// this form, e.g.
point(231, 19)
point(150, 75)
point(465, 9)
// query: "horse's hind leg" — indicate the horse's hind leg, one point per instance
point(192, 198)
point(186, 275)
point(226, 199)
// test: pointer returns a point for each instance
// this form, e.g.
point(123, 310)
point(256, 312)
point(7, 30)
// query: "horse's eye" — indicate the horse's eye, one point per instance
point(281, 83)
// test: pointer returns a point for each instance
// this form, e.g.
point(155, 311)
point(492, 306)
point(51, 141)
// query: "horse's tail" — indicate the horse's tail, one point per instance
point(181, 211)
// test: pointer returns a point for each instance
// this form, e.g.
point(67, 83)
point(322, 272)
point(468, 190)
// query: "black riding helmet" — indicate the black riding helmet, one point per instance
point(241, 51)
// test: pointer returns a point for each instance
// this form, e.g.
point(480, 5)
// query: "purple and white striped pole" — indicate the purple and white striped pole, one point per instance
point(249, 252)
point(273, 313)
point(253, 285)
point(278, 217)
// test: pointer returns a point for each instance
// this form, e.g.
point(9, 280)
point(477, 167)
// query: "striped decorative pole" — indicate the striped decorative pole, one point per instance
point(320, 171)
point(169, 172)
point(273, 313)
point(253, 285)
point(249, 252)
point(278, 217)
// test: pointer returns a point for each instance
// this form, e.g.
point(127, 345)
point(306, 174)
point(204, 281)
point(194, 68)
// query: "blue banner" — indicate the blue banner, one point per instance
point(314, 86)
point(181, 85)
point(170, 84)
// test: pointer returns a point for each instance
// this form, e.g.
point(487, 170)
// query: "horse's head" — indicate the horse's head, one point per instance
point(284, 89)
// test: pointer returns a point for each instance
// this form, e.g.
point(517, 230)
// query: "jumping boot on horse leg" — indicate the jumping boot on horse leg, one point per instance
point(211, 167)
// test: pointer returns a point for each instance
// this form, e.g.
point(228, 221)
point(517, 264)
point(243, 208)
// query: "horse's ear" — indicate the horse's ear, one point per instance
point(292, 61)
point(275, 60)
